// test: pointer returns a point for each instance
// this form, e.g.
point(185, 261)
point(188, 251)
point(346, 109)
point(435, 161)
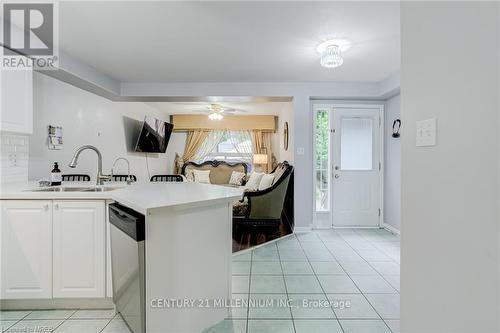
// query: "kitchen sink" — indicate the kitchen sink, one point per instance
point(74, 189)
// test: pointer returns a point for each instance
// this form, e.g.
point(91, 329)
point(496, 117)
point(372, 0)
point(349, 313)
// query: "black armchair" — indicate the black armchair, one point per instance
point(265, 208)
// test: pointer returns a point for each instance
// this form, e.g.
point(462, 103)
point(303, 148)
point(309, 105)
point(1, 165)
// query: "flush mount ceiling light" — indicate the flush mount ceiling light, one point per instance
point(332, 57)
point(331, 52)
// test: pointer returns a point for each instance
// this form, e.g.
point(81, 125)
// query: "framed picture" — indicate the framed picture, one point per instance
point(285, 135)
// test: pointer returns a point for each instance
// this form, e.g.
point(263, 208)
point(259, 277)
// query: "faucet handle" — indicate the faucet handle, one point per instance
point(101, 179)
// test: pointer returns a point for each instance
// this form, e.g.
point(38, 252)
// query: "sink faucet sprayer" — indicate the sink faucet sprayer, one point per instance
point(129, 177)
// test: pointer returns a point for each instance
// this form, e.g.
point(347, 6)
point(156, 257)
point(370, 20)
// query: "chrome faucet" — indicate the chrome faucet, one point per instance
point(100, 177)
point(129, 178)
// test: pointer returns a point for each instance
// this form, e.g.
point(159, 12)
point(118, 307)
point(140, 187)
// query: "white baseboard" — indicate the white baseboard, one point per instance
point(299, 230)
point(392, 229)
point(59, 303)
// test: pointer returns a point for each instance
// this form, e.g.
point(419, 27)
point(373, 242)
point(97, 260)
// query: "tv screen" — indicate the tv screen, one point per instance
point(154, 136)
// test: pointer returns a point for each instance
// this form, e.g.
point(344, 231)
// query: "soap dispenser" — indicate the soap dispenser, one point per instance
point(55, 175)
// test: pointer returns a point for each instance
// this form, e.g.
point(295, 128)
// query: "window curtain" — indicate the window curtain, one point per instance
point(211, 141)
point(261, 144)
point(194, 141)
point(241, 141)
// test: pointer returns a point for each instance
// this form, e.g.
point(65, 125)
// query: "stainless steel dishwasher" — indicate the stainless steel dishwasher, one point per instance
point(127, 262)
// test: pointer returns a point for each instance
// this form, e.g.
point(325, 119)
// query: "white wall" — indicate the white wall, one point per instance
point(450, 193)
point(176, 145)
point(392, 176)
point(87, 119)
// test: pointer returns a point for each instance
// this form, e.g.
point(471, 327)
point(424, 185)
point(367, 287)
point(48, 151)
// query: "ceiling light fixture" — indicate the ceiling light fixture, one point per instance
point(331, 52)
point(215, 116)
point(332, 57)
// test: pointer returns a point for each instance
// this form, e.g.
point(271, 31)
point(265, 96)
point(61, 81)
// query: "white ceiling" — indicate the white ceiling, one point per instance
point(230, 41)
point(244, 109)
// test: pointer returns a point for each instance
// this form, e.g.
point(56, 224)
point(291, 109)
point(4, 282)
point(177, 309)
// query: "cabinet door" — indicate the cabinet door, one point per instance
point(79, 249)
point(26, 249)
point(16, 88)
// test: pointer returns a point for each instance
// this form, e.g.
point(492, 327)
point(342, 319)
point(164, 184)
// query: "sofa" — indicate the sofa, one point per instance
point(220, 171)
point(254, 203)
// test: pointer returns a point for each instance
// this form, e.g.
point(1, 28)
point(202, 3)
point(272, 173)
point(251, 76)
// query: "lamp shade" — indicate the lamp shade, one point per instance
point(259, 159)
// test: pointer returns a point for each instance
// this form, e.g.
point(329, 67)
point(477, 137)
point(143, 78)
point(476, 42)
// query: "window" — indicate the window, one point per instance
point(229, 146)
point(356, 144)
point(322, 145)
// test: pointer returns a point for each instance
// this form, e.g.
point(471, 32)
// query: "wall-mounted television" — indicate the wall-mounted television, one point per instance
point(154, 136)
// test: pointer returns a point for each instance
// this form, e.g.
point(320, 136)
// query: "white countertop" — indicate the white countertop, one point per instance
point(140, 197)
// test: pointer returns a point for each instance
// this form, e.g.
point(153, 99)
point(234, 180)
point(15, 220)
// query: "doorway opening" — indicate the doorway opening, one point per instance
point(348, 169)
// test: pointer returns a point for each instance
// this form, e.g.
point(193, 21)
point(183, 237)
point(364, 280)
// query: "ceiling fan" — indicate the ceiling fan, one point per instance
point(217, 111)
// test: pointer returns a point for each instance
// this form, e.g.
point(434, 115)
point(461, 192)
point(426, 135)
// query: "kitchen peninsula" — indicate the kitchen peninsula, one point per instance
point(68, 226)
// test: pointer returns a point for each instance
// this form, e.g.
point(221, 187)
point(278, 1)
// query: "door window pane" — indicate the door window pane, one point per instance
point(356, 144)
point(322, 144)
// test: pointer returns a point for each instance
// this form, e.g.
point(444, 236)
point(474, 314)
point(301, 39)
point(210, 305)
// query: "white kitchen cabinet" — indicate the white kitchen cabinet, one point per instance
point(26, 249)
point(16, 87)
point(79, 249)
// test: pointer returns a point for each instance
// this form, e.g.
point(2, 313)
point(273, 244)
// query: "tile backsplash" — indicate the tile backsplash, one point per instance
point(13, 157)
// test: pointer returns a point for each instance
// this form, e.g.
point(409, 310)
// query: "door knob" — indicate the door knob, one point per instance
point(337, 176)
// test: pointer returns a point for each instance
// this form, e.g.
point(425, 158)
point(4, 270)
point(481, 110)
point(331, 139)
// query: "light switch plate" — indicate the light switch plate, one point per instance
point(426, 132)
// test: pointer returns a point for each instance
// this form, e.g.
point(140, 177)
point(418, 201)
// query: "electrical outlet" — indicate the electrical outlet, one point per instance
point(300, 150)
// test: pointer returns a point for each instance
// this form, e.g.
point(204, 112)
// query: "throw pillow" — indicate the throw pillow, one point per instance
point(240, 208)
point(237, 178)
point(189, 175)
point(254, 181)
point(202, 176)
point(266, 181)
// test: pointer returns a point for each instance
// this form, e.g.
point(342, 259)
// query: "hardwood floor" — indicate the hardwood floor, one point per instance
point(248, 237)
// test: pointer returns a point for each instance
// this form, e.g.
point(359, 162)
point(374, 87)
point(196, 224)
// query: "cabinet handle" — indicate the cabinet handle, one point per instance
point(46, 207)
point(56, 206)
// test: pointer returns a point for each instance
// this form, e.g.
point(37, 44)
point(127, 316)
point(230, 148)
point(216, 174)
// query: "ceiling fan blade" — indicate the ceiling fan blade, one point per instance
point(200, 112)
point(235, 110)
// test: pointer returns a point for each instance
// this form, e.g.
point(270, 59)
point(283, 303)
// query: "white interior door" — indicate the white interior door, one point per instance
point(356, 167)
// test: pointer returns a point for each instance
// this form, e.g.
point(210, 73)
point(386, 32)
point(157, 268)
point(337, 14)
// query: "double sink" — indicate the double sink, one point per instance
point(75, 189)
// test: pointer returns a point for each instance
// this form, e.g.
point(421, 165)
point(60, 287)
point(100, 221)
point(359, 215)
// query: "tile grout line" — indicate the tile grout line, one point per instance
point(284, 283)
point(109, 322)
point(393, 261)
point(371, 265)
point(349, 275)
point(319, 282)
point(64, 320)
point(384, 320)
point(367, 262)
point(18, 320)
point(249, 288)
point(362, 293)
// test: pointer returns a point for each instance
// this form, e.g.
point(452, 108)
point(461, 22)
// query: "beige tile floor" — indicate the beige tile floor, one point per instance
point(323, 281)
point(357, 270)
